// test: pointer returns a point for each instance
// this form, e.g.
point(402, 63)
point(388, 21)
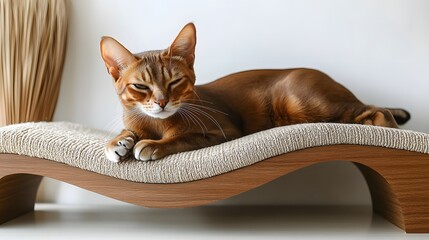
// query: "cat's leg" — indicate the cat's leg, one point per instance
point(377, 117)
point(121, 146)
point(146, 150)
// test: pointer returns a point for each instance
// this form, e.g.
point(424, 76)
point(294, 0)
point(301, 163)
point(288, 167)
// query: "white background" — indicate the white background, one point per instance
point(379, 49)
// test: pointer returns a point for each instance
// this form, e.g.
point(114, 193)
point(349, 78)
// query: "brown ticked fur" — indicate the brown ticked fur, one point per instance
point(165, 113)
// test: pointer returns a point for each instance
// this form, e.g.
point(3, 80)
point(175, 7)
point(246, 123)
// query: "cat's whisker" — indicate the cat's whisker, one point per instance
point(199, 121)
point(136, 116)
point(190, 110)
point(197, 100)
point(195, 114)
point(198, 96)
point(205, 107)
point(187, 119)
point(194, 119)
point(184, 117)
point(211, 118)
point(113, 124)
point(196, 108)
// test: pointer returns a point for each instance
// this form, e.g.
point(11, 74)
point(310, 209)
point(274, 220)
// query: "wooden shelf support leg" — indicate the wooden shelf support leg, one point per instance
point(17, 195)
point(401, 197)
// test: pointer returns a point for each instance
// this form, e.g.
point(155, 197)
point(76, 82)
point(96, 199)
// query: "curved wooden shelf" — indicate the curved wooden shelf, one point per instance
point(398, 181)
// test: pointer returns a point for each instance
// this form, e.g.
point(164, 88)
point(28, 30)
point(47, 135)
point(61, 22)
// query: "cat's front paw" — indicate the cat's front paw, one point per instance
point(118, 149)
point(146, 150)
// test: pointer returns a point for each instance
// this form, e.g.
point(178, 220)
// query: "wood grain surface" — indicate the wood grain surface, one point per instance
point(398, 181)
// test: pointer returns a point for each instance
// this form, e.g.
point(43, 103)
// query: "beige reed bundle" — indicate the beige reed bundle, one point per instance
point(33, 36)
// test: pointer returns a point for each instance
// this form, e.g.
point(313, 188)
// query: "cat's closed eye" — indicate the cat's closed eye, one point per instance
point(141, 86)
point(174, 82)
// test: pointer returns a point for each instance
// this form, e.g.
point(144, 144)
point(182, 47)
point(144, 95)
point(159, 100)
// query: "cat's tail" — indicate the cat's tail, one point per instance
point(401, 116)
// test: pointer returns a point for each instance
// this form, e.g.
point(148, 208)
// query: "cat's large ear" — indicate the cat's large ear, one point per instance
point(184, 44)
point(115, 56)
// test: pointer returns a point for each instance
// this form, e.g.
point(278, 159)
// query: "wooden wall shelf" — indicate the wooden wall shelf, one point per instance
point(398, 181)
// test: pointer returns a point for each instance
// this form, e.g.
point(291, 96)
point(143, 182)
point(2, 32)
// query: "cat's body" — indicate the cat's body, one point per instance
point(260, 99)
point(164, 113)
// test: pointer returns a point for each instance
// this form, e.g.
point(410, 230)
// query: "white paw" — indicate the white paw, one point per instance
point(145, 150)
point(115, 151)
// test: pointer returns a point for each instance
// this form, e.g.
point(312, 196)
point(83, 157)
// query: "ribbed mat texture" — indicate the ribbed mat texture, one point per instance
point(83, 147)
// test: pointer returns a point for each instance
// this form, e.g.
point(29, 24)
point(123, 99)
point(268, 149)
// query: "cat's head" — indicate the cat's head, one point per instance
point(153, 82)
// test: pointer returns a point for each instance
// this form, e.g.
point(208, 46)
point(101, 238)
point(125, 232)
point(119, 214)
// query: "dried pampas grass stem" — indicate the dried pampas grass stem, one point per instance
point(33, 38)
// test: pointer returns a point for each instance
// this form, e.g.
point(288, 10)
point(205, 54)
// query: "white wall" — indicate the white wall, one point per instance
point(378, 49)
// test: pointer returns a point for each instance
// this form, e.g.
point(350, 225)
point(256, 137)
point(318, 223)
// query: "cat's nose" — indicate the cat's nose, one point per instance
point(162, 103)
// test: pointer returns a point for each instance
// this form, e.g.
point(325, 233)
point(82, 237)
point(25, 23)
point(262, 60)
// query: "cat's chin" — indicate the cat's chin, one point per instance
point(161, 115)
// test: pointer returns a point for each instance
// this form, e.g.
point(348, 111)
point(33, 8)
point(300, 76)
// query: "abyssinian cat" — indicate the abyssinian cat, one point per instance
point(165, 113)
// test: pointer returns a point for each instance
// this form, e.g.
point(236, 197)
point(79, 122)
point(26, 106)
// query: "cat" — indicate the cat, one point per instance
point(166, 113)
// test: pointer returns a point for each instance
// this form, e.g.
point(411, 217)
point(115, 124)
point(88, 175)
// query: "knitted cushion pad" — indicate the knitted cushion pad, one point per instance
point(83, 147)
